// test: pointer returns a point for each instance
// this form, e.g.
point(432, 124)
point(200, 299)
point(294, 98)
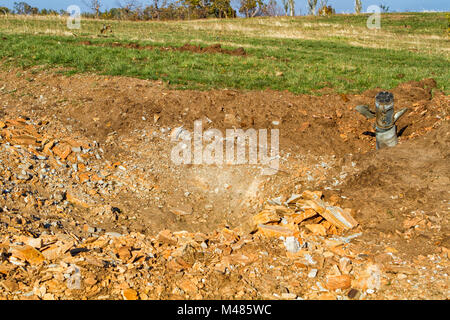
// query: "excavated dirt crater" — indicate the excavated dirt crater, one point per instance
point(324, 145)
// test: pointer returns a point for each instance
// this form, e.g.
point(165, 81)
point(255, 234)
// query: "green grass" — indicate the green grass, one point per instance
point(310, 52)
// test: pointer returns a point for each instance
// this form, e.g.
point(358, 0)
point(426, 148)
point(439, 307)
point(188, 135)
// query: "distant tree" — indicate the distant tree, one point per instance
point(288, 7)
point(113, 13)
point(152, 11)
point(253, 8)
point(384, 8)
point(222, 9)
point(173, 12)
point(22, 8)
point(323, 3)
point(180, 10)
point(246, 7)
point(196, 9)
point(4, 10)
point(312, 4)
point(131, 9)
point(448, 23)
point(292, 8)
point(274, 10)
point(325, 9)
point(94, 5)
point(285, 6)
point(358, 6)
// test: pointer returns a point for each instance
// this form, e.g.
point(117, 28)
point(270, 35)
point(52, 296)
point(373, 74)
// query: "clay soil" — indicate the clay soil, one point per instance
point(215, 48)
point(399, 196)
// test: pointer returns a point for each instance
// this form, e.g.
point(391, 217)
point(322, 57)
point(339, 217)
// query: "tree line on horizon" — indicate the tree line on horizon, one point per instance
point(184, 9)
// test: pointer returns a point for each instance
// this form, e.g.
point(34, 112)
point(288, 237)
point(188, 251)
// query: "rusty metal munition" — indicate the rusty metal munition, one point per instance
point(385, 128)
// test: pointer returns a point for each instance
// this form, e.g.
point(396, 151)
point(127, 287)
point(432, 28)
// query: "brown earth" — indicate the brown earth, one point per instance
point(398, 195)
point(215, 48)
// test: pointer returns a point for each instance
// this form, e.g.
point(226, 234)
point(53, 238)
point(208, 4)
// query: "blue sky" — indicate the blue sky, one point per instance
point(339, 5)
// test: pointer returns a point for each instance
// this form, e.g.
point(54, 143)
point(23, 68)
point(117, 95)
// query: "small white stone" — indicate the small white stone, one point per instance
point(312, 273)
point(292, 245)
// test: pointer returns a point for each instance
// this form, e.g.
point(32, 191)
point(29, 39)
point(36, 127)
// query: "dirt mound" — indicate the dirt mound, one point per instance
point(215, 48)
point(402, 183)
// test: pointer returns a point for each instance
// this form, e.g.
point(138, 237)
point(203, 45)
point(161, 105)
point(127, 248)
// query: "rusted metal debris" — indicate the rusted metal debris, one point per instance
point(385, 128)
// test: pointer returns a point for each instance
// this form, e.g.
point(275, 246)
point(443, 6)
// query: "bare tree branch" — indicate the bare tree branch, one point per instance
point(94, 5)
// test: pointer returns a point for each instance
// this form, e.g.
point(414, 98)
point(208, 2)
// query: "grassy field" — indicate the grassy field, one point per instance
point(301, 54)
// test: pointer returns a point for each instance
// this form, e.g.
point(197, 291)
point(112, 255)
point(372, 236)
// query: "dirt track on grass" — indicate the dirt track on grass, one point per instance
point(215, 48)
